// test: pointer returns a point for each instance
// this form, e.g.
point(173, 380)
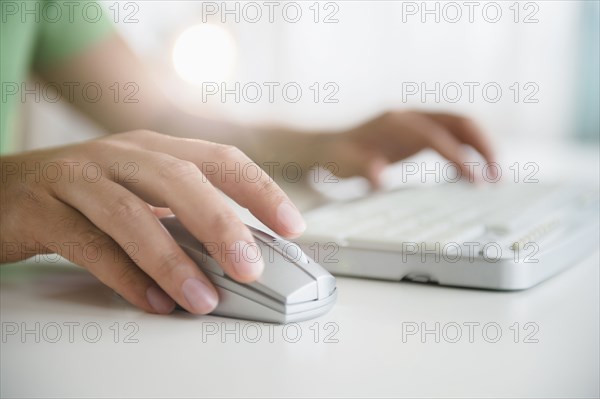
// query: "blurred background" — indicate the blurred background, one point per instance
point(522, 69)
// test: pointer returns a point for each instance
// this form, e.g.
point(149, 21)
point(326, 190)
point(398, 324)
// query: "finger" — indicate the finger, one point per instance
point(230, 170)
point(84, 244)
point(369, 164)
point(439, 138)
point(374, 168)
point(165, 181)
point(468, 132)
point(129, 221)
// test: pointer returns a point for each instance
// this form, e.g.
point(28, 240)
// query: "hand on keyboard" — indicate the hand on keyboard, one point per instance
point(368, 148)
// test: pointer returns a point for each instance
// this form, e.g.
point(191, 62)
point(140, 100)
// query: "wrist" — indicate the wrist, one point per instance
point(279, 147)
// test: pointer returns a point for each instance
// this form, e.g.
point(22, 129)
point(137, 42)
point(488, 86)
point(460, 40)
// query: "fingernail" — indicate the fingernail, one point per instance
point(199, 296)
point(159, 300)
point(248, 263)
point(290, 218)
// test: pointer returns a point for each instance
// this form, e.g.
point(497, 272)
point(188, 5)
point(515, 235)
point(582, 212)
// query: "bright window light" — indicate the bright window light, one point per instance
point(204, 53)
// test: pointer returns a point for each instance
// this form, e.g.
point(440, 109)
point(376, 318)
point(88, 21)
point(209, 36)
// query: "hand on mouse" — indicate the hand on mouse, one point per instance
point(92, 203)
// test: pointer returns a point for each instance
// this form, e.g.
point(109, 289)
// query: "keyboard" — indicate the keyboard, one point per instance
point(495, 236)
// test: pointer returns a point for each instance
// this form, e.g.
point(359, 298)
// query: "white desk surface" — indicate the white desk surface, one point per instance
point(187, 356)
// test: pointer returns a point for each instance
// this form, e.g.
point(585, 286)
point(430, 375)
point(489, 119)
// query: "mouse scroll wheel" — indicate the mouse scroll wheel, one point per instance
point(291, 251)
point(288, 249)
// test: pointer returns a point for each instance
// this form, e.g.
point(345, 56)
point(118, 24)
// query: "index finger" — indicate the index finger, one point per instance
point(230, 170)
point(466, 131)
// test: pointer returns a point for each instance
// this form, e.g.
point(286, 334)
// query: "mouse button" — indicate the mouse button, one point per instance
point(232, 304)
point(287, 248)
point(176, 229)
point(203, 260)
point(325, 281)
point(261, 235)
point(282, 279)
point(246, 291)
point(326, 285)
point(303, 307)
point(292, 251)
point(307, 293)
point(289, 293)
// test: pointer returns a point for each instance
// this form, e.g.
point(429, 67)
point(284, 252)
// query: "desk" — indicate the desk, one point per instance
point(367, 345)
point(184, 355)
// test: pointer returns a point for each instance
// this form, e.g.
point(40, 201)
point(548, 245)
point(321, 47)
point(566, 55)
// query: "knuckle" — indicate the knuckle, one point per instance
point(223, 151)
point(223, 221)
point(66, 222)
point(92, 146)
point(128, 275)
point(127, 209)
point(268, 188)
point(108, 146)
point(91, 153)
point(133, 138)
point(387, 117)
point(465, 123)
point(28, 202)
point(173, 169)
point(138, 134)
point(70, 173)
point(95, 238)
point(167, 262)
point(30, 197)
point(66, 163)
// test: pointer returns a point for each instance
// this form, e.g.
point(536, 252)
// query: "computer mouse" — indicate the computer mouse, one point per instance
point(292, 287)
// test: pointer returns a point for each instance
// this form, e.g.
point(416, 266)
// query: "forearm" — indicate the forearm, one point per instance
point(132, 99)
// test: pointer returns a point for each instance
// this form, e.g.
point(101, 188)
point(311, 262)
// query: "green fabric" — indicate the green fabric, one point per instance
point(35, 34)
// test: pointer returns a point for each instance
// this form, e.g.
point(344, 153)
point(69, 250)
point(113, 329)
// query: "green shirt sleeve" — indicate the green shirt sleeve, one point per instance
point(37, 34)
point(67, 28)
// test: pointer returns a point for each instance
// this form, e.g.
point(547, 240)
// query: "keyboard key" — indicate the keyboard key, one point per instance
point(441, 214)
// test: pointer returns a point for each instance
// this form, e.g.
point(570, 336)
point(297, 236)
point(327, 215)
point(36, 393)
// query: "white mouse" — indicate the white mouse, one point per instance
point(292, 287)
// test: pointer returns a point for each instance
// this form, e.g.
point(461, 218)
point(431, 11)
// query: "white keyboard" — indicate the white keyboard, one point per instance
point(512, 220)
